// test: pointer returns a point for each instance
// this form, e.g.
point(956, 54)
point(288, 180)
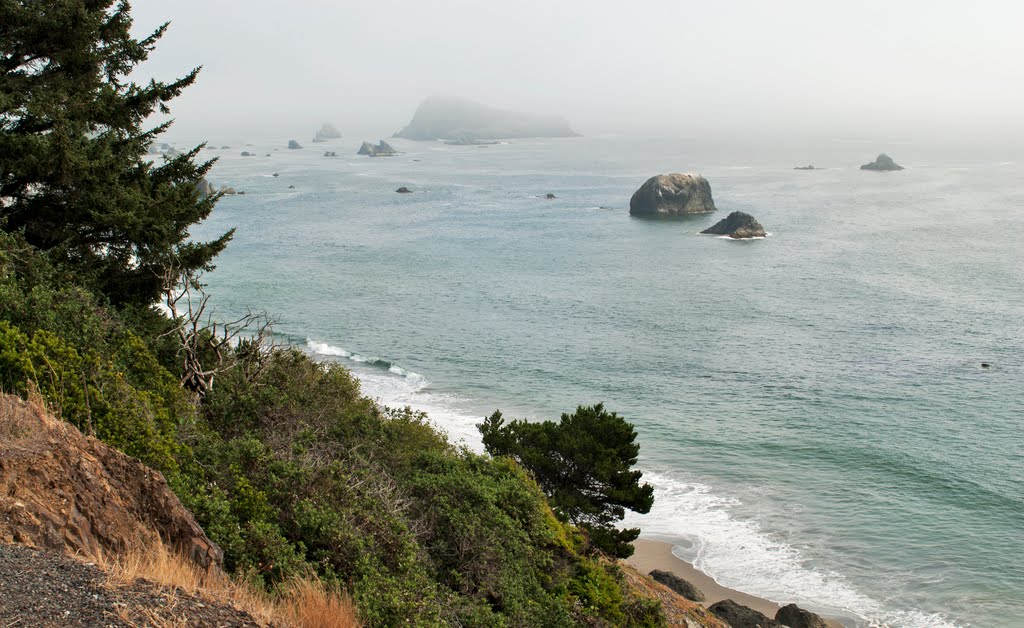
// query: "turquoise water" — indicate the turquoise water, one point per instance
point(811, 406)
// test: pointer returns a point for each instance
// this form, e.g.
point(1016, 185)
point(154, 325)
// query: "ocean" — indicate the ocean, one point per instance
point(811, 407)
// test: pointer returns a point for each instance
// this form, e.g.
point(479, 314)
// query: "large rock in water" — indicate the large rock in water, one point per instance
point(795, 617)
point(672, 195)
point(882, 162)
point(677, 584)
point(293, 145)
point(739, 616)
point(327, 132)
point(456, 119)
point(381, 149)
point(65, 491)
point(737, 225)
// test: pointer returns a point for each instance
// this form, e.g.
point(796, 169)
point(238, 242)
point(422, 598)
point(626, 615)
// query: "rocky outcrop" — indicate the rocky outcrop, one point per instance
point(64, 491)
point(457, 119)
point(677, 584)
point(205, 188)
point(381, 149)
point(739, 616)
point(738, 225)
point(327, 132)
point(882, 163)
point(672, 195)
point(293, 145)
point(795, 617)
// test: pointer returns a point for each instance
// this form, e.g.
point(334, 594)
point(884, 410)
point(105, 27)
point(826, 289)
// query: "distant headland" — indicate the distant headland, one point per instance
point(465, 121)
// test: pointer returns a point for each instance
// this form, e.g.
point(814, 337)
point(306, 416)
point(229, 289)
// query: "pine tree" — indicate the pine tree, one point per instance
point(584, 465)
point(75, 176)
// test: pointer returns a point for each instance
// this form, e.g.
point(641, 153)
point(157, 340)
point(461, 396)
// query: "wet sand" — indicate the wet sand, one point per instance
point(652, 554)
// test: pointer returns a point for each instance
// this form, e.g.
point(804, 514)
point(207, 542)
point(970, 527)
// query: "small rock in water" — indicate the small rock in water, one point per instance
point(277, 174)
point(986, 365)
point(404, 190)
point(550, 196)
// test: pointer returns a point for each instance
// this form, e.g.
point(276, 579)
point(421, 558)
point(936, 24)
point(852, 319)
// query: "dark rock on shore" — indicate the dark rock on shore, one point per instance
point(737, 225)
point(404, 190)
point(882, 163)
point(293, 145)
point(381, 149)
point(457, 119)
point(795, 617)
point(677, 584)
point(739, 616)
point(672, 195)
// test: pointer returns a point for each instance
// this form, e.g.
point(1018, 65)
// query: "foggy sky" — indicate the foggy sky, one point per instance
point(729, 68)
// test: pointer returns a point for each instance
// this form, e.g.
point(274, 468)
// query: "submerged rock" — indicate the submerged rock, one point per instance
point(293, 145)
point(737, 225)
point(883, 163)
point(677, 584)
point(795, 617)
point(672, 195)
point(739, 616)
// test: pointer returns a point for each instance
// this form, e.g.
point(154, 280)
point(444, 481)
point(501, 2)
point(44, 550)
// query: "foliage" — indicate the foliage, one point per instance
point(584, 464)
point(74, 178)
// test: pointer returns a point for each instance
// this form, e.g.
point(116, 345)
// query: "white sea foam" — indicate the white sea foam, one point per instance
point(738, 554)
point(702, 523)
point(398, 387)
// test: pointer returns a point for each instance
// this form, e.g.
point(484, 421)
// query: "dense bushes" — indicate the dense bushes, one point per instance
point(291, 471)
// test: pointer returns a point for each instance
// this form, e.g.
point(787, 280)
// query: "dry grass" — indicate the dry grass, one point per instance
point(301, 603)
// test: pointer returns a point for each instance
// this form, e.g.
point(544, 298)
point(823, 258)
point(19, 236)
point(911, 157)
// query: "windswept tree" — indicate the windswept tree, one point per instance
point(584, 464)
point(75, 179)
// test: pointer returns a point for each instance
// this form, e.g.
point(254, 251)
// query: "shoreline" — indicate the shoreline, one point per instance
point(656, 554)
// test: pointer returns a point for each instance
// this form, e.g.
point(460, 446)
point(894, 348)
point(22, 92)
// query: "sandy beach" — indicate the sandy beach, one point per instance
point(653, 554)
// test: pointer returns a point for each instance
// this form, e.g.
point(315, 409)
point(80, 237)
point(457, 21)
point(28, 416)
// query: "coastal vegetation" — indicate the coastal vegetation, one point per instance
point(284, 463)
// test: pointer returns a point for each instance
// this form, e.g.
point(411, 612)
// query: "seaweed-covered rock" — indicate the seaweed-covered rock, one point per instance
point(737, 225)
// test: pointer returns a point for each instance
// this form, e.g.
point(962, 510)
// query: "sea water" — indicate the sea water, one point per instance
point(811, 407)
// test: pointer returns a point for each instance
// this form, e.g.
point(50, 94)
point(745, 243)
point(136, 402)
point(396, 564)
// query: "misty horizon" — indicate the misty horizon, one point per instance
point(917, 72)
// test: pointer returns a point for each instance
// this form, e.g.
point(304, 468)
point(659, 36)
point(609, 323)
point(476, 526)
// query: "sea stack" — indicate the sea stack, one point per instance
point(382, 149)
point(464, 121)
point(673, 194)
point(882, 163)
point(737, 225)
